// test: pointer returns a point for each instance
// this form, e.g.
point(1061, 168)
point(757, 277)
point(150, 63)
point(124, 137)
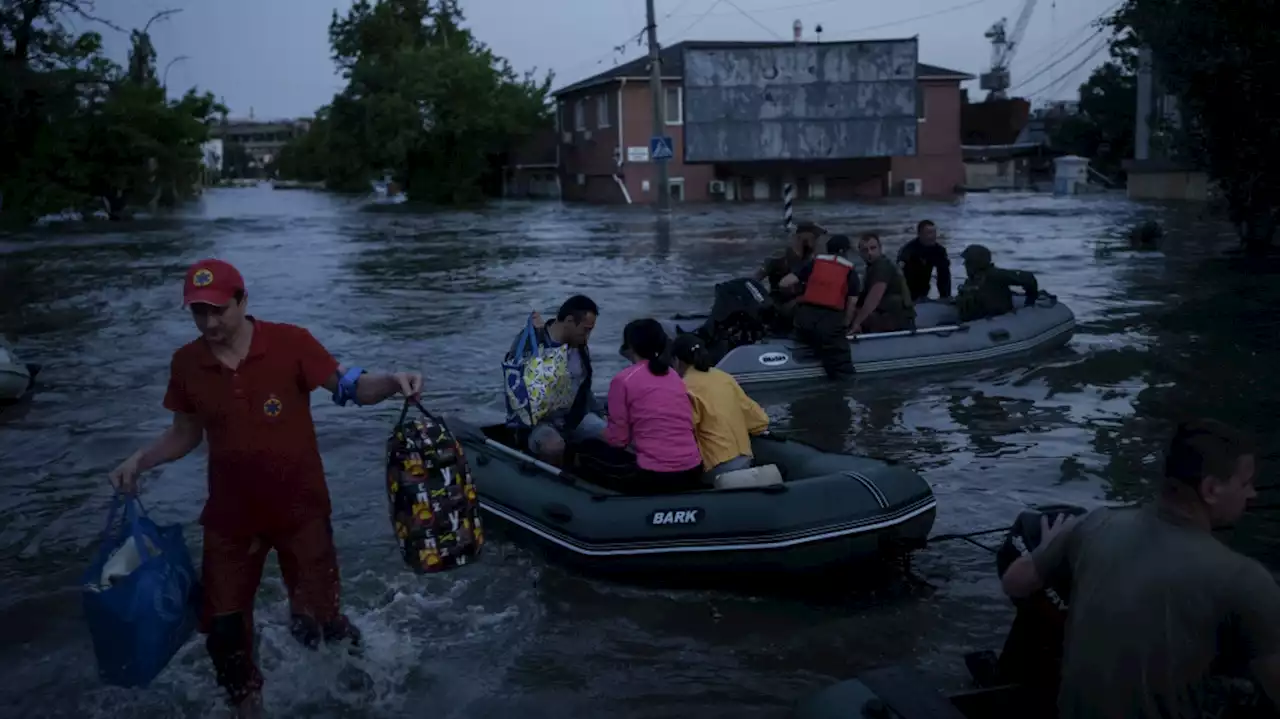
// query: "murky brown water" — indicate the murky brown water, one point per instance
point(1161, 333)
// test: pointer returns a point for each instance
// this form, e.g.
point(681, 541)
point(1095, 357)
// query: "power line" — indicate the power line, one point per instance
point(745, 14)
point(1059, 61)
point(780, 8)
point(926, 16)
point(1075, 32)
point(700, 18)
point(637, 38)
point(1092, 54)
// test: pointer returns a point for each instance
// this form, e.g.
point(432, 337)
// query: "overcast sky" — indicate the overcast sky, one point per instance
point(272, 56)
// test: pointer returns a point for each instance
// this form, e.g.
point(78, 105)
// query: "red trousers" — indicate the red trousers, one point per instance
point(231, 573)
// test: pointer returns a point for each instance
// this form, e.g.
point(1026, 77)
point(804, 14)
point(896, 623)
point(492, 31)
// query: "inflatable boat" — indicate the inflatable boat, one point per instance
point(16, 378)
point(939, 340)
point(1020, 681)
point(800, 511)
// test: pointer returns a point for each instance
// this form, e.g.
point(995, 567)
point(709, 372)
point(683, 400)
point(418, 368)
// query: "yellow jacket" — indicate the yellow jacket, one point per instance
point(724, 416)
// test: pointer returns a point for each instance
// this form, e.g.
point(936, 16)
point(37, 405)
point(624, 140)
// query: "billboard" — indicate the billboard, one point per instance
point(828, 101)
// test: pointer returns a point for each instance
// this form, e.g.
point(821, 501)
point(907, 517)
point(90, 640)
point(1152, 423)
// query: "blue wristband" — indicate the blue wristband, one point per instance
point(346, 391)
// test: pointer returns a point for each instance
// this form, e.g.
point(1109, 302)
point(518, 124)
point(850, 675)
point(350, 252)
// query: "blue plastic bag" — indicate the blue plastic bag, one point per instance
point(147, 608)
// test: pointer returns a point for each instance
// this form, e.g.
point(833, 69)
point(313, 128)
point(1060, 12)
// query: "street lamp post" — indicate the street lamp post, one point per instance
point(164, 77)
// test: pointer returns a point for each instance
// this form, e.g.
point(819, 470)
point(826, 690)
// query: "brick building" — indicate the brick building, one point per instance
point(605, 122)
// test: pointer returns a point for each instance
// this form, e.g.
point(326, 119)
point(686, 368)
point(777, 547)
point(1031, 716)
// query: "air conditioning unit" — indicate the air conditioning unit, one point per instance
point(566, 138)
point(913, 188)
point(717, 187)
point(586, 135)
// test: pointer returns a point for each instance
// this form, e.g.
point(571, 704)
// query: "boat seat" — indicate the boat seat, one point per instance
point(763, 476)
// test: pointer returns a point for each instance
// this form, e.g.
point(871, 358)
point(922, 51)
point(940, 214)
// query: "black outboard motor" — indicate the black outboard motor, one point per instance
point(1032, 653)
point(741, 315)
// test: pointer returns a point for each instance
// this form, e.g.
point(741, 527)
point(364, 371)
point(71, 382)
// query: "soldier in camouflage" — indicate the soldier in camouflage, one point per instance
point(985, 292)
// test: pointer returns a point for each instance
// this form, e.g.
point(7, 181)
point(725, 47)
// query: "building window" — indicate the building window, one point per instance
point(602, 110)
point(673, 105)
point(922, 108)
point(580, 115)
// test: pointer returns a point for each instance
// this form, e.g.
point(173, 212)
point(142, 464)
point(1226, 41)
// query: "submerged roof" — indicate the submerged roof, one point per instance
point(673, 64)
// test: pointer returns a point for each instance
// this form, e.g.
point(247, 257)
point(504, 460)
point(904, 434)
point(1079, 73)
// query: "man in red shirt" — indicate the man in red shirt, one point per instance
point(246, 384)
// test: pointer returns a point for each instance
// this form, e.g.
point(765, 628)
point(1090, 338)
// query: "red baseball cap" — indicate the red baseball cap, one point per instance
point(211, 282)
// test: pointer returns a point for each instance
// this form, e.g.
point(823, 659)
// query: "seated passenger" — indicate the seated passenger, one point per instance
point(572, 326)
point(985, 292)
point(885, 302)
point(724, 417)
point(1155, 599)
point(826, 308)
point(649, 409)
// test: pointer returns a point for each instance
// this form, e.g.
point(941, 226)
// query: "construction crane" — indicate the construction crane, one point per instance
point(1003, 45)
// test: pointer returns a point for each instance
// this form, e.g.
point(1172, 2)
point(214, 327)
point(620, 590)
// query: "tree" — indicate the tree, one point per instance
point(80, 131)
point(1103, 129)
point(1222, 62)
point(424, 99)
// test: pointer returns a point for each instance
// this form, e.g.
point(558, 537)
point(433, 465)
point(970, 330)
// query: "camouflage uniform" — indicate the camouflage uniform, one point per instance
point(985, 292)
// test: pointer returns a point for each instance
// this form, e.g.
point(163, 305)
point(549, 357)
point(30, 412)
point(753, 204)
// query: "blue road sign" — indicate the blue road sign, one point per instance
point(660, 148)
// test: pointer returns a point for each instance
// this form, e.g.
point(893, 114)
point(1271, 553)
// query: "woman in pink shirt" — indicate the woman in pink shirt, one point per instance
point(649, 409)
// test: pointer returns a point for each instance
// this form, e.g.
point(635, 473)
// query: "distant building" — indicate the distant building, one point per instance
point(533, 168)
point(605, 123)
point(261, 139)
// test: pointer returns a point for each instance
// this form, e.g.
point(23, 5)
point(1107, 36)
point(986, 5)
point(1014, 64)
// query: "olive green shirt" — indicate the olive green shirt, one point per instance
point(1152, 600)
point(896, 299)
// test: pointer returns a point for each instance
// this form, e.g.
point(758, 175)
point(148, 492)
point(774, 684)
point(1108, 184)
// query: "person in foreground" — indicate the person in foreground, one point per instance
point(919, 258)
point(885, 303)
point(724, 417)
point(572, 326)
point(985, 292)
point(1156, 599)
point(246, 384)
point(649, 409)
point(827, 305)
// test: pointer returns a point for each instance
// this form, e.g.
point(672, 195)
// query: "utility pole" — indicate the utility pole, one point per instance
point(659, 117)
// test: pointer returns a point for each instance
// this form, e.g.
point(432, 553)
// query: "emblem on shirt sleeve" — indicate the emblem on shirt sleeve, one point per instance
point(273, 406)
point(202, 278)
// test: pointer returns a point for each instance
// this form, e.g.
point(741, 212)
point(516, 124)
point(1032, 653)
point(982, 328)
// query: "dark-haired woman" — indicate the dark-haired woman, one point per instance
point(650, 410)
point(724, 417)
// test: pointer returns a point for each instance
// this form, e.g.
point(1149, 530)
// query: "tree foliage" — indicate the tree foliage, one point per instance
point(1103, 129)
point(78, 131)
point(1222, 62)
point(424, 100)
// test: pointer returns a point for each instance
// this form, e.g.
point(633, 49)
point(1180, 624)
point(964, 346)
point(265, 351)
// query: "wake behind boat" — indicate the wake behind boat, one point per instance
point(754, 354)
point(818, 512)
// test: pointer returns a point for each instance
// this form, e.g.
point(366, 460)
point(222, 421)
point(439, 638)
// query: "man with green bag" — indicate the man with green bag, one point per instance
point(547, 376)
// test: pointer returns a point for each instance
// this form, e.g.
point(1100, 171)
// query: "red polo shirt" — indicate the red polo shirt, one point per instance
point(265, 471)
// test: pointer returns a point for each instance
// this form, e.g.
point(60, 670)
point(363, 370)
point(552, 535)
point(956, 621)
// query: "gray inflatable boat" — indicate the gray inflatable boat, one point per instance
point(939, 340)
point(826, 511)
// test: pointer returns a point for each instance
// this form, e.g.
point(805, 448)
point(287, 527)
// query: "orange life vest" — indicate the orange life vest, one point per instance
point(828, 284)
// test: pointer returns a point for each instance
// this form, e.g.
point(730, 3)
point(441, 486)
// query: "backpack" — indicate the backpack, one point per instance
point(435, 510)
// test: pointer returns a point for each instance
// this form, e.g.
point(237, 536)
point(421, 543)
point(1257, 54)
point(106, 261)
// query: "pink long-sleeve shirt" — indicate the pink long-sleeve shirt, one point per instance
point(654, 414)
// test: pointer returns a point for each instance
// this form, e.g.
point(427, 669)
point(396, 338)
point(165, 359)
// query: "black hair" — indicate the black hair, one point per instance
point(689, 349)
point(923, 224)
point(1205, 448)
point(838, 244)
point(577, 307)
point(866, 236)
point(647, 340)
point(238, 296)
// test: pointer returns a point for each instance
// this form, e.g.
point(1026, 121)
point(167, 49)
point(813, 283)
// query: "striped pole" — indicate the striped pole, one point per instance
point(788, 199)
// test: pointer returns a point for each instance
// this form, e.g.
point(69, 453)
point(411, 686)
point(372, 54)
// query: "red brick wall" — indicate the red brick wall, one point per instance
point(637, 105)
point(938, 162)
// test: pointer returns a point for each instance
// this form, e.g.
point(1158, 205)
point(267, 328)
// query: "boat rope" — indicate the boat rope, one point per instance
point(969, 537)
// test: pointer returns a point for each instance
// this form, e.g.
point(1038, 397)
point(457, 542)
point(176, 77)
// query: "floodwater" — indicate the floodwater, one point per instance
point(1161, 334)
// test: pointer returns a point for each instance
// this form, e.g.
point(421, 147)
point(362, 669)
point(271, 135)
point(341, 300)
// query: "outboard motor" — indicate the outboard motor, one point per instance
point(740, 315)
point(1032, 653)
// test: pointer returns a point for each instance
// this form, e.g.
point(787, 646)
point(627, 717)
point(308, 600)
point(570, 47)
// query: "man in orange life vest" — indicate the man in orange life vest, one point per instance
point(828, 304)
